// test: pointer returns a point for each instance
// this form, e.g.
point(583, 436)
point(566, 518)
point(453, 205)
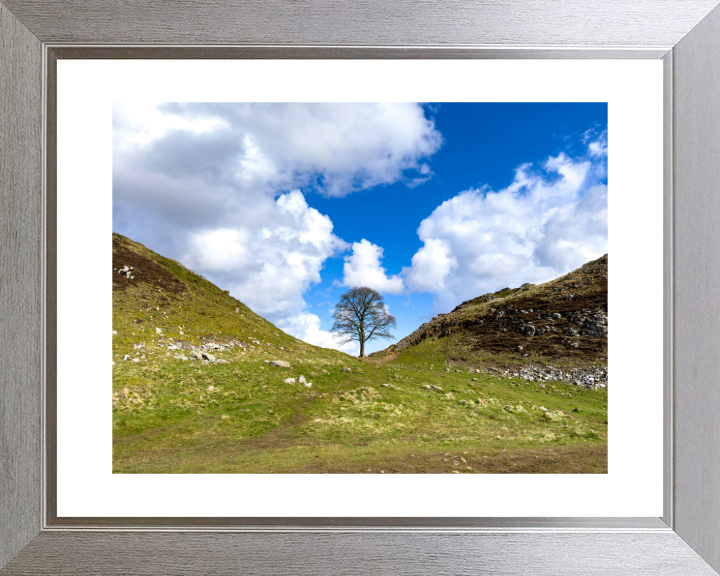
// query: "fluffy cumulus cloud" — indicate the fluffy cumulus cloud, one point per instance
point(309, 326)
point(431, 265)
point(270, 262)
point(551, 219)
point(362, 268)
point(218, 186)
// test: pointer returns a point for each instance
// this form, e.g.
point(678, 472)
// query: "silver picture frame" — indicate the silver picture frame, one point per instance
point(685, 34)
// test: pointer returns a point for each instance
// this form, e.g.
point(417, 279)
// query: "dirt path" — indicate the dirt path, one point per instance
point(380, 360)
point(574, 459)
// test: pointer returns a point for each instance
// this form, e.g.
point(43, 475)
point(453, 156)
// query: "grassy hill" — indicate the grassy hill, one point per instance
point(195, 391)
point(562, 321)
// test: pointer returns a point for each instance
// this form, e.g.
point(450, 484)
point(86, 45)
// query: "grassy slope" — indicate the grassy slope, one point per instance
point(474, 333)
point(167, 419)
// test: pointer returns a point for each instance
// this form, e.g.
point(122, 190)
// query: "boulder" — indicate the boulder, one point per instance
point(280, 364)
point(289, 380)
point(208, 357)
point(302, 380)
point(158, 330)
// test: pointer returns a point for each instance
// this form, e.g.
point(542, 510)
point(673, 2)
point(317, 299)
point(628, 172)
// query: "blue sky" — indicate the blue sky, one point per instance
point(286, 205)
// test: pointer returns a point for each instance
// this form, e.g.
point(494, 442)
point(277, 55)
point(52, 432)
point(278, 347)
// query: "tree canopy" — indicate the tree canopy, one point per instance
point(361, 315)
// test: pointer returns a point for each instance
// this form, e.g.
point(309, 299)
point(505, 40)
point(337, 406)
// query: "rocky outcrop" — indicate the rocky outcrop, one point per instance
point(566, 315)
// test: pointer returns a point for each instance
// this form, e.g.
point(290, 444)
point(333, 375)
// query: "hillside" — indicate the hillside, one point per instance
point(562, 321)
point(162, 309)
point(202, 384)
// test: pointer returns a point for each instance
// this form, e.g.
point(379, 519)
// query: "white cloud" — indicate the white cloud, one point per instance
point(362, 268)
point(596, 142)
point(217, 186)
point(546, 222)
point(270, 262)
point(336, 148)
point(306, 327)
point(430, 266)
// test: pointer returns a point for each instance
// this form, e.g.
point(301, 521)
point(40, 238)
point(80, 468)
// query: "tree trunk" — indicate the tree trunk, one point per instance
point(362, 346)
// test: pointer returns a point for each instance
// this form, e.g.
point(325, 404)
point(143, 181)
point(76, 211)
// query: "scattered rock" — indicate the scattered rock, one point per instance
point(289, 380)
point(302, 380)
point(346, 369)
point(224, 417)
point(308, 384)
point(208, 357)
point(158, 330)
point(280, 364)
point(520, 348)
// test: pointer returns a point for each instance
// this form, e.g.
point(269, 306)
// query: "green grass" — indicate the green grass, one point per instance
point(166, 420)
point(184, 416)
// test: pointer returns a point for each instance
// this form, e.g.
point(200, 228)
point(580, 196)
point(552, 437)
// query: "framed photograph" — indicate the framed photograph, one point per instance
point(361, 281)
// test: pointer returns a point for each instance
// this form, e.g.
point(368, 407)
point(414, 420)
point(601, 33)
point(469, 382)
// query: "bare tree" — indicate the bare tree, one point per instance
point(361, 315)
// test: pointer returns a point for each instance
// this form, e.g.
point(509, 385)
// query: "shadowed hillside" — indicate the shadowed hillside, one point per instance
point(564, 320)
